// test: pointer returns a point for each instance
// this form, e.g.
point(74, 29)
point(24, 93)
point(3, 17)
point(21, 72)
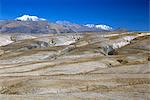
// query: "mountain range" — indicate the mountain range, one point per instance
point(34, 24)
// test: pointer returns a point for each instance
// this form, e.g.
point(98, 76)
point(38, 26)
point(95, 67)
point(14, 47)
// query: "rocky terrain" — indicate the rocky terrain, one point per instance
point(75, 66)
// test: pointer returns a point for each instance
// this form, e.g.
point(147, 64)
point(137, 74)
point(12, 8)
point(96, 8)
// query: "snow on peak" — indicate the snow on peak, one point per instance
point(90, 25)
point(30, 18)
point(103, 27)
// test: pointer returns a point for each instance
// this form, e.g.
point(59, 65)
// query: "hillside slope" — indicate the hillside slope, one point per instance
point(112, 66)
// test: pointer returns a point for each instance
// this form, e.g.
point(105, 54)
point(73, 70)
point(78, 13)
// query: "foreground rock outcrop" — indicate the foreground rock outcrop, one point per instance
point(109, 66)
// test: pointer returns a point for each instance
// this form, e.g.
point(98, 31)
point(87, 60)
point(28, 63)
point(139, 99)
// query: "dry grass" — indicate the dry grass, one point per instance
point(80, 73)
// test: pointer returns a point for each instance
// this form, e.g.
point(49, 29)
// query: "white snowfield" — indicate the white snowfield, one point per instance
point(90, 25)
point(103, 27)
point(30, 18)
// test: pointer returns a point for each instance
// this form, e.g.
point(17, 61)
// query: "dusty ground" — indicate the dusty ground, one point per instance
point(84, 68)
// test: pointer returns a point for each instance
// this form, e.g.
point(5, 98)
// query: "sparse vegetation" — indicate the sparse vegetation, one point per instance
point(66, 64)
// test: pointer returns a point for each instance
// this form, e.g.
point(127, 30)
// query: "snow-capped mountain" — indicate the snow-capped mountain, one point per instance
point(103, 27)
point(34, 24)
point(30, 18)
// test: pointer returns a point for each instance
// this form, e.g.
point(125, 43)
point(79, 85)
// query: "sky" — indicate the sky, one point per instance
point(130, 14)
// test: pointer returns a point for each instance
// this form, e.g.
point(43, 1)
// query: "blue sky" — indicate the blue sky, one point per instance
point(130, 14)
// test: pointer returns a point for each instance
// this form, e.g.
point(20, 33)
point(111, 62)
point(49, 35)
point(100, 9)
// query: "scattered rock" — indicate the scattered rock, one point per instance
point(2, 52)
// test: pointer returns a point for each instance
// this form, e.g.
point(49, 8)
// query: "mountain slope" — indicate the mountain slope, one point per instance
point(34, 24)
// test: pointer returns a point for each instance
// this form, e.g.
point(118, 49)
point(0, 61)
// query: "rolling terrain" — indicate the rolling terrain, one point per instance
point(75, 66)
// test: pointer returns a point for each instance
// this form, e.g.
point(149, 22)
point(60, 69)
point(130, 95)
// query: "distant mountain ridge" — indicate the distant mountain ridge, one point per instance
point(30, 18)
point(34, 24)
